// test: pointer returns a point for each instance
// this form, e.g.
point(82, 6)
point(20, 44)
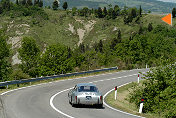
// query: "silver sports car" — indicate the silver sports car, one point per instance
point(85, 93)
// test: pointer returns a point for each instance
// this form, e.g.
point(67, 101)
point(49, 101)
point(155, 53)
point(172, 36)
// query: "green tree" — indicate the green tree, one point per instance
point(1, 9)
point(55, 5)
point(100, 13)
point(105, 12)
point(117, 10)
point(29, 55)
point(5, 67)
point(65, 5)
point(133, 13)
point(36, 2)
point(17, 2)
point(55, 60)
point(119, 36)
point(74, 10)
point(140, 30)
point(6, 5)
point(150, 27)
point(29, 2)
point(174, 12)
point(100, 46)
point(140, 11)
point(40, 4)
point(23, 2)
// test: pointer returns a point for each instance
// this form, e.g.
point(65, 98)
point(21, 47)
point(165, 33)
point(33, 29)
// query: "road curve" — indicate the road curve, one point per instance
point(50, 100)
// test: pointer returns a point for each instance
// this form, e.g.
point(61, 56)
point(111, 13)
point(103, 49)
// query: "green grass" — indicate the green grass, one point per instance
point(122, 102)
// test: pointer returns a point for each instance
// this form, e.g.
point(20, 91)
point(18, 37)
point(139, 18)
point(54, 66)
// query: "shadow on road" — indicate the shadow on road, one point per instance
point(89, 106)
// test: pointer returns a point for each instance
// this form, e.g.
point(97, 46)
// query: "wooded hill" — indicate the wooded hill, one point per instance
point(47, 41)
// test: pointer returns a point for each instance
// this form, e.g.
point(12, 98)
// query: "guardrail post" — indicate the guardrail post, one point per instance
point(141, 105)
point(30, 83)
point(115, 92)
point(7, 86)
point(138, 78)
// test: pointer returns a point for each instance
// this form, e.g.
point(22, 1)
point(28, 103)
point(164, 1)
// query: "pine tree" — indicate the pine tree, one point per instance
point(174, 12)
point(140, 30)
point(133, 13)
point(119, 36)
point(35, 2)
point(105, 12)
point(100, 15)
point(23, 2)
point(29, 2)
point(100, 46)
point(17, 2)
point(114, 15)
point(117, 10)
point(140, 11)
point(65, 5)
point(55, 5)
point(150, 27)
point(114, 43)
point(1, 9)
point(40, 3)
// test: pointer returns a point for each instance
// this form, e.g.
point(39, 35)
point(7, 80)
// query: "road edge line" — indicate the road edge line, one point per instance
point(115, 108)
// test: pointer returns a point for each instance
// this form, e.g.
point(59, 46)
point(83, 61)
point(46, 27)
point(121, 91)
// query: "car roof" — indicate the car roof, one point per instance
point(85, 84)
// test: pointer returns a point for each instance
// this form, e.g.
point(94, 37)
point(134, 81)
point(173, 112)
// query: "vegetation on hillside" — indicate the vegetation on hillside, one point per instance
point(152, 45)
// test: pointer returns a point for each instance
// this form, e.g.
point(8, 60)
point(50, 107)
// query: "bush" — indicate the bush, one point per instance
point(158, 91)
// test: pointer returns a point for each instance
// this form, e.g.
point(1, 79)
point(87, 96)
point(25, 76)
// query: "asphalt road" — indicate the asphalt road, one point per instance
point(38, 101)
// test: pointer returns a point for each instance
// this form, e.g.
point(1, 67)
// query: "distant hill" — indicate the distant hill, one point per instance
point(148, 5)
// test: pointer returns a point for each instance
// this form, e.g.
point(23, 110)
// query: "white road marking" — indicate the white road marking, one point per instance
point(59, 111)
point(62, 81)
point(115, 108)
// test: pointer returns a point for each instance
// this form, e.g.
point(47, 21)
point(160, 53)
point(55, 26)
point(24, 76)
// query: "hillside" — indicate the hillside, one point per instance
point(152, 5)
point(70, 30)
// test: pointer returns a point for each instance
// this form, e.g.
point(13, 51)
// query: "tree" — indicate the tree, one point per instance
point(140, 11)
point(55, 5)
point(29, 54)
point(117, 10)
point(82, 48)
point(100, 46)
point(150, 27)
point(65, 5)
point(119, 36)
point(40, 3)
point(174, 12)
point(55, 60)
point(36, 2)
point(114, 43)
point(100, 13)
point(133, 13)
point(74, 10)
point(23, 2)
point(6, 5)
point(29, 2)
point(1, 9)
point(140, 30)
point(17, 2)
point(5, 67)
point(114, 15)
point(105, 12)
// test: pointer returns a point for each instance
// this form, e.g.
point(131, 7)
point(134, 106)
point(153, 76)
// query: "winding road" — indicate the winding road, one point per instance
point(50, 100)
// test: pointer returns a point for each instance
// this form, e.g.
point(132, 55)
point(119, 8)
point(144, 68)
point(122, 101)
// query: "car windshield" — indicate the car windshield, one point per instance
point(87, 89)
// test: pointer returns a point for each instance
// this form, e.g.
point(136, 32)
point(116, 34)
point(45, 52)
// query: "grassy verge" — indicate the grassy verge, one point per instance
point(122, 102)
point(10, 87)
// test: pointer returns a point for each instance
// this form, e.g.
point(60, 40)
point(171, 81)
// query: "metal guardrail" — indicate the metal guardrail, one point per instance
point(6, 83)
